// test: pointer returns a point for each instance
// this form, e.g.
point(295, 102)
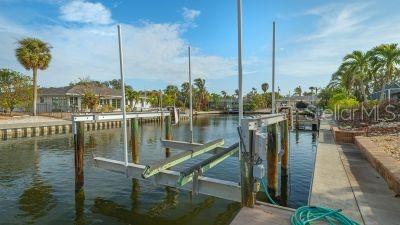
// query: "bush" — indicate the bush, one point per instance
point(301, 105)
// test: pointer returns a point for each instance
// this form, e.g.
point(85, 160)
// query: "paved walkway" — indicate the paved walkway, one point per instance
point(344, 179)
point(263, 214)
point(31, 121)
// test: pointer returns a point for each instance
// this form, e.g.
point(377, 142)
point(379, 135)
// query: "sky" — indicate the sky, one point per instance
point(311, 39)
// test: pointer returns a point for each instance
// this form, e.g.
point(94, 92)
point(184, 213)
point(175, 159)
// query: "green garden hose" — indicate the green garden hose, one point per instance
point(306, 215)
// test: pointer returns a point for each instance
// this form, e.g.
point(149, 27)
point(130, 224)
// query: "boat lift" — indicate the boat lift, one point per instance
point(252, 143)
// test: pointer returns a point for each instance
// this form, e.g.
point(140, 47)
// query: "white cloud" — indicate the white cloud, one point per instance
point(85, 12)
point(190, 14)
point(340, 29)
point(154, 51)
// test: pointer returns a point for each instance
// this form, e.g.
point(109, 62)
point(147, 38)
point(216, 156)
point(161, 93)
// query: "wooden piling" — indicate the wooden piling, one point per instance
point(297, 120)
point(135, 137)
point(80, 207)
point(168, 133)
point(272, 160)
point(284, 160)
point(79, 138)
point(246, 170)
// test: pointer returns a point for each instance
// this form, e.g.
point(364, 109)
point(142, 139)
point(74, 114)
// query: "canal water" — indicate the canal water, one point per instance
point(37, 179)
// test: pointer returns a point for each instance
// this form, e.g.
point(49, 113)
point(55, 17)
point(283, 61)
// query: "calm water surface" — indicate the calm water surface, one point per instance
point(37, 179)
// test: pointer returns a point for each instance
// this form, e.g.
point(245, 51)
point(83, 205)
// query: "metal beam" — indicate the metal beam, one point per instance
point(187, 175)
point(264, 120)
point(206, 185)
point(176, 159)
point(113, 116)
point(180, 145)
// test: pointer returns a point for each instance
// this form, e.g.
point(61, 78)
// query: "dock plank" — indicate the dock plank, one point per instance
point(263, 214)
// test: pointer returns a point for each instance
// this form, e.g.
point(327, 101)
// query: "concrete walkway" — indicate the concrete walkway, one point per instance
point(31, 121)
point(344, 179)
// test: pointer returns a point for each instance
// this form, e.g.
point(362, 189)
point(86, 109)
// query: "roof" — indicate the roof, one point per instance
point(79, 90)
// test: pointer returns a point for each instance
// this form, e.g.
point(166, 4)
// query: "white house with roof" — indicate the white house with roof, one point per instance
point(69, 99)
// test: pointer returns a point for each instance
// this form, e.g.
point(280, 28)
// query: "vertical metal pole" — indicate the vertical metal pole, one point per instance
point(125, 135)
point(273, 67)
point(240, 68)
point(190, 99)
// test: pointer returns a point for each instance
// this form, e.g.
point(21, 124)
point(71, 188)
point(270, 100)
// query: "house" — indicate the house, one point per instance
point(291, 101)
point(391, 92)
point(228, 104)
point(69, 99)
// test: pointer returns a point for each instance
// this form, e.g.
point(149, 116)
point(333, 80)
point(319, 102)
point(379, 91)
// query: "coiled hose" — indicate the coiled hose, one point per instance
point(305, 215)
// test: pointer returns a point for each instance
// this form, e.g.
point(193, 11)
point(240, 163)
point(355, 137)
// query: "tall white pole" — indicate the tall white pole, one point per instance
point(125, 138)
point(239, 24)
point(273, 67)
point(190, 99)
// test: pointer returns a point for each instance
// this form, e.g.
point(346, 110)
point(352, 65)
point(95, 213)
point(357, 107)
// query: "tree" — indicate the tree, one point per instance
point(132, 96)
point(171, 92)
point(298, 91)
point(224, 95)
point(185, 93)
point(301, 105)
point(15, 89)
point(33, 54)
point(202, 92)
point(90, 100)
point(265, 87)
point(387, 57)
point(357, 63)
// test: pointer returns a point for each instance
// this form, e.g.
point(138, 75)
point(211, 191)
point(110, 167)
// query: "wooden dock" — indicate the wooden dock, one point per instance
point(263, 214)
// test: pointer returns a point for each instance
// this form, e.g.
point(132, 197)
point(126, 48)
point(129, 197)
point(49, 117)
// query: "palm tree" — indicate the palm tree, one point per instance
point(312, 89)
point(387, 57)
point(223, 93)
point(133, 96)
point(358, 63)
point(202, 91)
point(265, 87)
point(298, 91)
point(185, 89)
point(33, 54)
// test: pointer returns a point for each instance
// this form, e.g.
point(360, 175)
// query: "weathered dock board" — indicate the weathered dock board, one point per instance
point(263, 214)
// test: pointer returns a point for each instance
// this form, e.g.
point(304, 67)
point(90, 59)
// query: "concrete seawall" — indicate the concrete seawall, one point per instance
point(22, 130)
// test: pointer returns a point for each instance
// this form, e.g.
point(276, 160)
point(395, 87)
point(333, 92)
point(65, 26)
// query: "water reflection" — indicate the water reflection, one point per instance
point(37, 179)
point(37, 200)
point(80, 207)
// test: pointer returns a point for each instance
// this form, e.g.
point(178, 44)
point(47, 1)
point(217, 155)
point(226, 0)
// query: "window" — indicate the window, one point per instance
point(73, 101)
point(114, 103)
point(41, 99)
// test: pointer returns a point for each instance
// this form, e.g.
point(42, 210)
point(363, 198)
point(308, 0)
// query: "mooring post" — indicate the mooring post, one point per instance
point(246, 165)
point(272, 159)
point(168, 133)
point(80, 207)
point(284, 160)
point(135, 137)
point(297, 120)
point(79, 138)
